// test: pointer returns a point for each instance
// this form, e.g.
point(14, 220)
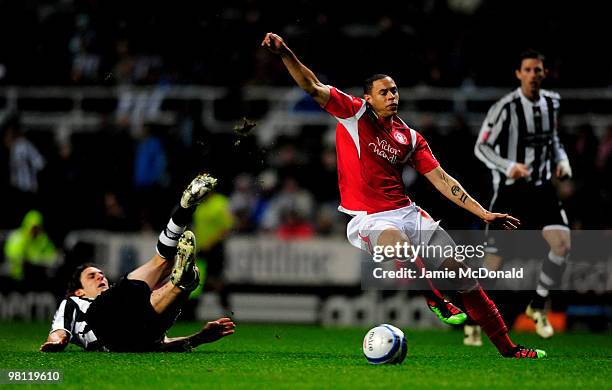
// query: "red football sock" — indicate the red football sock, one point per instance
point(484, 312)
point(433, 296)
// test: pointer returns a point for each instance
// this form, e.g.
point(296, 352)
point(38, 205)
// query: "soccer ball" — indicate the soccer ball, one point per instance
point(385, 344)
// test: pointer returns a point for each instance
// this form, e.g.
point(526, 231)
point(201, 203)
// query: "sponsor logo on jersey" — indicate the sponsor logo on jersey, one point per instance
point(399, 137)
point(384, 149)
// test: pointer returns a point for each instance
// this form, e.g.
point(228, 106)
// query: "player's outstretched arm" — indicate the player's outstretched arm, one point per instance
point(453, 190)
point(56, 341)
point(211, 332)
point(303, 76)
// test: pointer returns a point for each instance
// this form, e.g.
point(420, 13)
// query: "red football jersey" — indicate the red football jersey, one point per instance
point(371, 156)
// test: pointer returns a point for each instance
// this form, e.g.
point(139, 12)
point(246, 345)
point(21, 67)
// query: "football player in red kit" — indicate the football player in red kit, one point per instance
point(373, 144)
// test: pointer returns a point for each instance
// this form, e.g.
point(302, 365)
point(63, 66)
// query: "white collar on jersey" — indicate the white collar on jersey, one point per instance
point(526, 99)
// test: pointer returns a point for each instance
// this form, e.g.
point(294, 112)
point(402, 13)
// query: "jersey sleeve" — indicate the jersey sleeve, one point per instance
point(422, 159)
point(342, 105)
point(558, 149)
point(491, 130)
point(64, 317)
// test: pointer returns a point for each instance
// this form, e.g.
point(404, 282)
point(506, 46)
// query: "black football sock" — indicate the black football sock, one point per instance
point(168, 238)
point(550, 277)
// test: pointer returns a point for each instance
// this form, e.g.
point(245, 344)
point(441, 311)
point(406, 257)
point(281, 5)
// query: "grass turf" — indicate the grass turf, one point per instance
point(309, 357)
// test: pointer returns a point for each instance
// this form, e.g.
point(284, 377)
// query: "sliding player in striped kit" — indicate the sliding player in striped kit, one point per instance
point(134, 314)
point(373, 144)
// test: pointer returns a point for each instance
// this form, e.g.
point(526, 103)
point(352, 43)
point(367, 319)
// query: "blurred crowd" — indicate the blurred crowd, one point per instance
point(114, 181)
point(110, 180)
point(431, 42)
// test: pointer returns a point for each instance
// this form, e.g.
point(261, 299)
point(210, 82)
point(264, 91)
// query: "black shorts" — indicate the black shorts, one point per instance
point(535, 206)
point(124, 320)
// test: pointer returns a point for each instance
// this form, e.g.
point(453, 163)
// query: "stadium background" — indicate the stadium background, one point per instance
point(126, 101)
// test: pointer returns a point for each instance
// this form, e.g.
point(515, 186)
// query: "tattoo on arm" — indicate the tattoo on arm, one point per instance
point(444, 178)
point(456, 191)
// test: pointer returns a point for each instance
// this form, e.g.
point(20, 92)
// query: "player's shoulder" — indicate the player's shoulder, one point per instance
point(79, 302)
point(415, 134)
point(550, 94)
point(507, 98)
point(497, 108)
point(343, 93)
point(345, 99)
point(414, 131)
point(343, 105)
point(72, 300)
point(66, 305)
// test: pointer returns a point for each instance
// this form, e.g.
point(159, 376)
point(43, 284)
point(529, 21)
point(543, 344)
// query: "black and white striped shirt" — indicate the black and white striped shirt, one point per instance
point(70, 316)
point(25, 164)
point(517, 130)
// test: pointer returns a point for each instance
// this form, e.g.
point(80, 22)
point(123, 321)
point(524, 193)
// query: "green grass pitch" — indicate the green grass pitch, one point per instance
point(310, 357)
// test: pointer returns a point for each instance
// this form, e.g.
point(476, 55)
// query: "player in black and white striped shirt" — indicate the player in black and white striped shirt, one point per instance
point(519, 142)
point(70, 318)
point(135, 314)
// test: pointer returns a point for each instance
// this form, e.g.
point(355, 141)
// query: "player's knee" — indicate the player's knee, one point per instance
point(562, 248)
point(390, 237)
point(559, 241)
point(566, 249)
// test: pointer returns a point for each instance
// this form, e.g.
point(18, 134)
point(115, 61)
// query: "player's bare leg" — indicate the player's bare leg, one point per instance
point(153, 271)
point(440, 306)
point(391, 236)
point(166, 296)
point(559, 240)
point(184, 278)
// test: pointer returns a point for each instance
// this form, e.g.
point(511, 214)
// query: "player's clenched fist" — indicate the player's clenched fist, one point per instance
point(274, 43)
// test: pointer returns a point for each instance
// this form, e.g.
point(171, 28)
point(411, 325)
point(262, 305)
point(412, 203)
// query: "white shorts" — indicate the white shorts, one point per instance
point(363, 230)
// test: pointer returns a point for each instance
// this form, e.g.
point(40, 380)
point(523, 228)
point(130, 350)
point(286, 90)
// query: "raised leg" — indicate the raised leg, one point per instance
point(154, 271)
point(165, 296)
point(157, 269)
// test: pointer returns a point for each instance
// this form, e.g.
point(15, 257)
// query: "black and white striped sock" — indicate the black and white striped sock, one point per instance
point(168, 238)
point(550, 277)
